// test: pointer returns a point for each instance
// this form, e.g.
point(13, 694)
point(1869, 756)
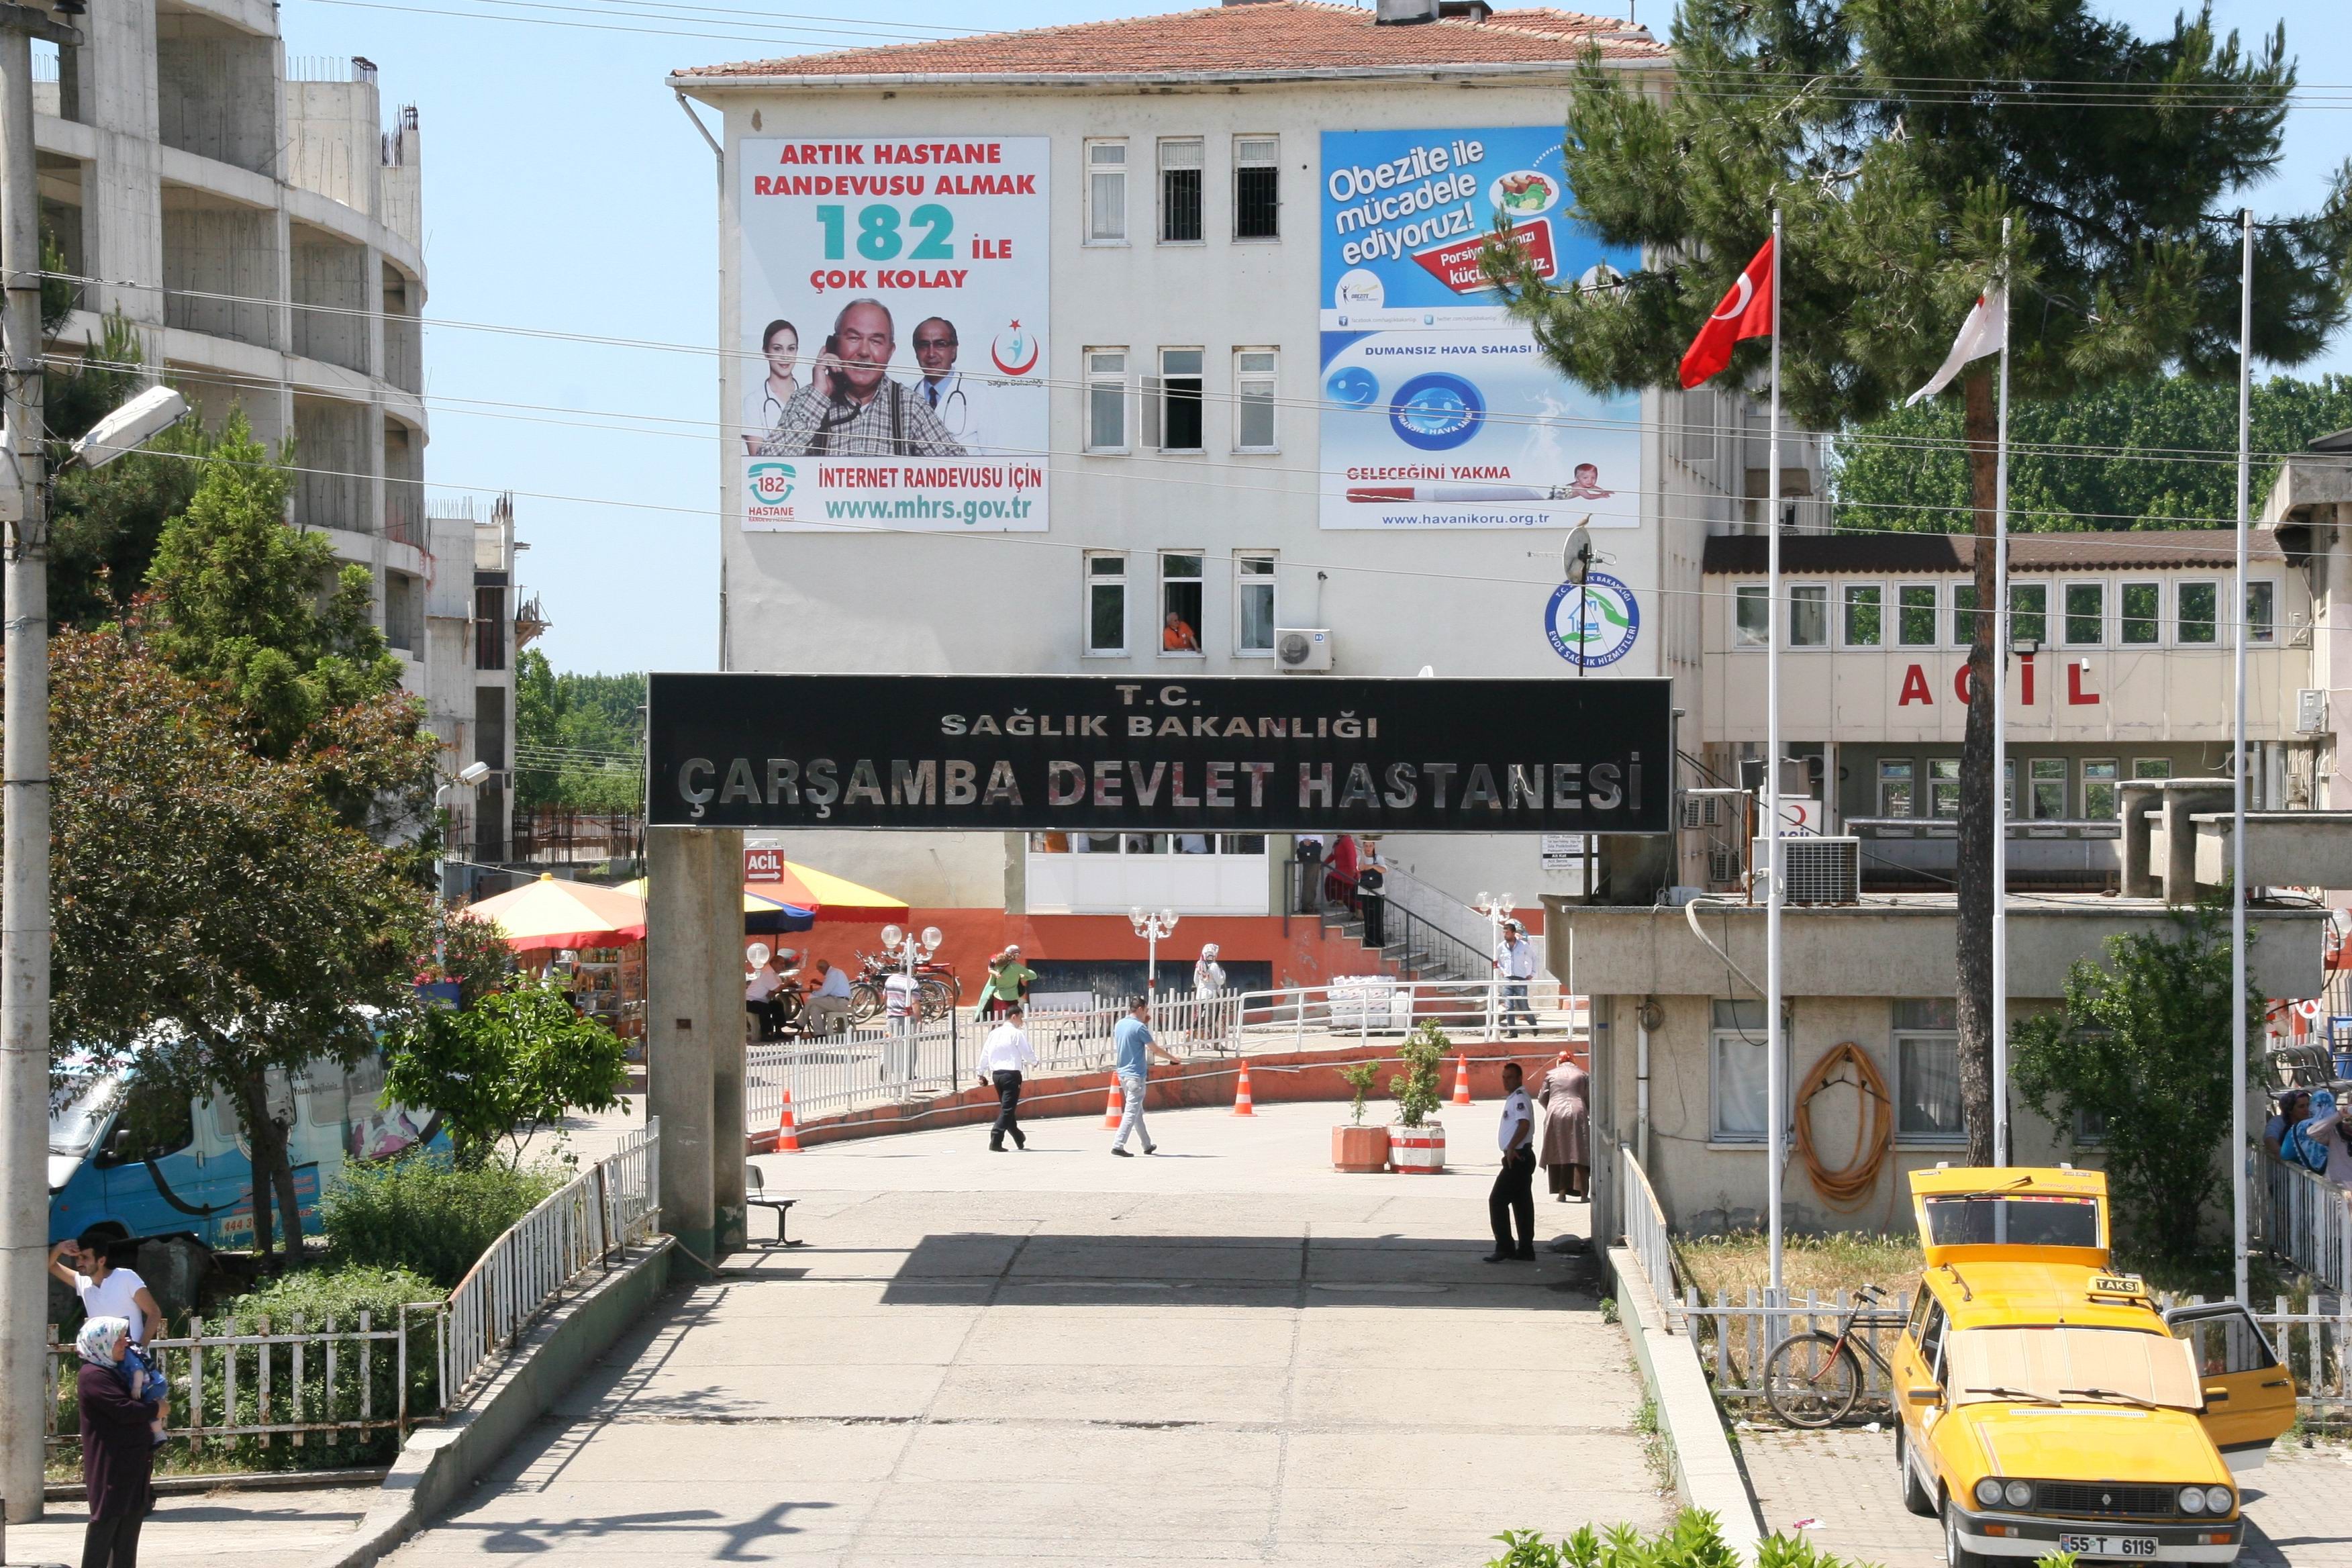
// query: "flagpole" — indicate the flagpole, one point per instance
point(2005, 633)
point(2238, 1195)
point(1775, 1085)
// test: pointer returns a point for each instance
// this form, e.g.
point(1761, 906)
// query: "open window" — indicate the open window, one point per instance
point(2248, 1394)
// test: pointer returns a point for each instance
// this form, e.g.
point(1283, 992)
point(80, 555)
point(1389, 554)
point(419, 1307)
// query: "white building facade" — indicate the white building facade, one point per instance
point(1172, 413)
point(262, 232)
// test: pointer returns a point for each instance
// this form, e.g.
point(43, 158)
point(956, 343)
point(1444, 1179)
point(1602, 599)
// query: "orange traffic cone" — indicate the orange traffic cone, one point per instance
point(1116, 1113)
point(1242, 1094)
point(1462, 1079)
point(788, 1132)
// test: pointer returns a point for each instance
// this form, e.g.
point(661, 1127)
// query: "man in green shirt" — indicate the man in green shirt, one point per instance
point(1007, 982)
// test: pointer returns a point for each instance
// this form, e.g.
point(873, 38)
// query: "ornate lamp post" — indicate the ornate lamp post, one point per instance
point(1151, 926)
point(1497, 907)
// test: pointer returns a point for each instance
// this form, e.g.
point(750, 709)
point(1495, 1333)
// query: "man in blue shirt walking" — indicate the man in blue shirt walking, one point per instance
point(1133, 1049)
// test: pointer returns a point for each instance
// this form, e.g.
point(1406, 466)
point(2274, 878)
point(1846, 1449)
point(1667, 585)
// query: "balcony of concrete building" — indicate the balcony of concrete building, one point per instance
point(330, 462)
point(404, 614)
point(404, 484)
point(216, 89)
point(62, 189)
point(220, 267)
point(330, 297)
point(404, 329)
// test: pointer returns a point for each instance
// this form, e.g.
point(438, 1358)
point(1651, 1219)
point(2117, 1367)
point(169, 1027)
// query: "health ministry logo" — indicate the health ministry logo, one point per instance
point(1594, 624)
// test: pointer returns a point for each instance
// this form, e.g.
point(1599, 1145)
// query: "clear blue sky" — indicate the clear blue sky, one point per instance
point(564, 190)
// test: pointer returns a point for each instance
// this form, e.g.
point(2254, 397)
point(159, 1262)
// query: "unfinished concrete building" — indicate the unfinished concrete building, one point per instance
point(261, 229)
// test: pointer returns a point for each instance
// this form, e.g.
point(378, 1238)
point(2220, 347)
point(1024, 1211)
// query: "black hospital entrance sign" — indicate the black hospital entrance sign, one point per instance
point(1102, 754)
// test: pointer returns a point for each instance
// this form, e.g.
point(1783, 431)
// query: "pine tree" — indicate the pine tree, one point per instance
point(1895, 136)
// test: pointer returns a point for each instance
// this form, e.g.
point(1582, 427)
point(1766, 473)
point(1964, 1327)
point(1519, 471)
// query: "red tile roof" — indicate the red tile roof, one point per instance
point(1273, 37)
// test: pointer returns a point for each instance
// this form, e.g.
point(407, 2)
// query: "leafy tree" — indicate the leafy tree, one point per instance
point(1897, 136)
point(2130, 454)
point(506, 1067)
point(216, 923)
point(593, 724)
point(1415, 1089)
point(2142, 1046)
point(104, 525)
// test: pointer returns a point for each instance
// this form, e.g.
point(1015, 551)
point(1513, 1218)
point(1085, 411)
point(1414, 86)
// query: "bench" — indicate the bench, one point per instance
point(754, 1197)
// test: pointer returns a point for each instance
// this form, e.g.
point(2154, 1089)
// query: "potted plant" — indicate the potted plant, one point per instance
point(1417, 1140)
point(1357, 1147)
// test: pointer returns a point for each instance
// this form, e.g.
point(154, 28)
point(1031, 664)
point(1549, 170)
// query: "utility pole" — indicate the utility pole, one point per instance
point(24, 796)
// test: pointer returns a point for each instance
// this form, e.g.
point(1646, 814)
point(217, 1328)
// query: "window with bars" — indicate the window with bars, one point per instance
point(1257, 187)
point(1181, 168)
point(1254, 384)
point(1107, 192)
point(1106, 603)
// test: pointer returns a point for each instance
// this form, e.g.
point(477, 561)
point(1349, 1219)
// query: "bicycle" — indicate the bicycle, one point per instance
point(1814, 1379)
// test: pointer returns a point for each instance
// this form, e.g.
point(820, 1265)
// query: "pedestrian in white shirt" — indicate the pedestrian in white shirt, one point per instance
point(1515, 961)
point(1513, 1196)
point(1003, 1059)
point(827, 1006)
point(902, 1006)
point(1208, 975)
point(105, 1291)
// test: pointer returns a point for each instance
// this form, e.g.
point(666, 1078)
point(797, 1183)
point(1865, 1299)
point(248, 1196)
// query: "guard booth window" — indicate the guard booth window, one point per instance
point(1916, 624)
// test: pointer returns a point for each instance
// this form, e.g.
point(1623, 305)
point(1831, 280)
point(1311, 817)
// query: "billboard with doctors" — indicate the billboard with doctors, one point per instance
point(1437, 410)
point(891, 312)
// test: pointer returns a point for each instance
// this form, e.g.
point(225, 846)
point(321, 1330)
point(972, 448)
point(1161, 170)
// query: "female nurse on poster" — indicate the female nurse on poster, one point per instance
point(763, 405)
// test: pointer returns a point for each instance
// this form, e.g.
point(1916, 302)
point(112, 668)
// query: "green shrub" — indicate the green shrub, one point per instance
point(307, 1300)
point(420, 1214)
point(1415, 1088)
point(1694, 1541)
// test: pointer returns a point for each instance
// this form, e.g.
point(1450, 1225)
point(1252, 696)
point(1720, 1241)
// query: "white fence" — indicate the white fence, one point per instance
point(1645, 1225)
point(869, 1065)
point(296, 1381)
point(586, 1222)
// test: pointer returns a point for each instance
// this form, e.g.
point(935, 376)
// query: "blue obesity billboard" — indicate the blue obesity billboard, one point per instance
point(1438, 412)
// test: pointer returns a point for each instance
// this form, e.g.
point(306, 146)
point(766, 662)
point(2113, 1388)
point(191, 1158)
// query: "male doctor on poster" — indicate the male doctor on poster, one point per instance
point(961, 403)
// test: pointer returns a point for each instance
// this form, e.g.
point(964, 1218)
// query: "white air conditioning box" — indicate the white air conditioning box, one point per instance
point(1817, 870)
point(2310, 712)
point(1303, 651)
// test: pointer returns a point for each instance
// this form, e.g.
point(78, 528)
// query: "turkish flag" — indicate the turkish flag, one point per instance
point(1746, 313)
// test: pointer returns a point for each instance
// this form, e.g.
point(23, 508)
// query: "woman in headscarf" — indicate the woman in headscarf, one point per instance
point(1565, 1148)
point(117, 1452)
point(1339, 883)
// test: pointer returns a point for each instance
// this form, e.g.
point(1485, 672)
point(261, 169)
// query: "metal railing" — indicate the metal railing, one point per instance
point(580, 1224)
point(867, 1065)
point(295, 1381)
point(1646, 1235)
point(2305, 1221)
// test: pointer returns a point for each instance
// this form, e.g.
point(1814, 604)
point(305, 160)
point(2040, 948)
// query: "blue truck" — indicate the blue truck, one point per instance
point(136, 1161)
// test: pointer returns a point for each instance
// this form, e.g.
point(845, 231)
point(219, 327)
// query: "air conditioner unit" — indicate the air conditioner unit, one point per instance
point(1818, 870)
point(2310, 712)
point(1303, 651)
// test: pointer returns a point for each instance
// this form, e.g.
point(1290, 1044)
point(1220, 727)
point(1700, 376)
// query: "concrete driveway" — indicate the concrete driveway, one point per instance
point(1226, 1353)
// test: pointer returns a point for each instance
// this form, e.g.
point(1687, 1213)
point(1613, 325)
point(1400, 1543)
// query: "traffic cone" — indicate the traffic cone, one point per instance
point(1116, 1113)
point(788, 1132)
point(1242, 1094)
point(1462, 1079)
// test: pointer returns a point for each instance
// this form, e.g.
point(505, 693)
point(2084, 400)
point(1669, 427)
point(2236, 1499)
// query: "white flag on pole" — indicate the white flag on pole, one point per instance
point(1986, 331)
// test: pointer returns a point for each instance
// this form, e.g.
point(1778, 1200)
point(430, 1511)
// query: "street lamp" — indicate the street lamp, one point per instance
point(909, 949)
point(470, 774)
point(1151, 926)
point(25, 934)
point(1497, 907)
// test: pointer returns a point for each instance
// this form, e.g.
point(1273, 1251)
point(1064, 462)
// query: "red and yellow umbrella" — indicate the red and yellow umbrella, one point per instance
point(548, 914)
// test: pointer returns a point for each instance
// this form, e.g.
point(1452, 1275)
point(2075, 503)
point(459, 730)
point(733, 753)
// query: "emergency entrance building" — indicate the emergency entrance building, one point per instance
point(1157, 348)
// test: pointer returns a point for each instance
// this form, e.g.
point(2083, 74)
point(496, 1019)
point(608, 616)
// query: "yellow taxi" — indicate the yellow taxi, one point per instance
point(2044, 1405)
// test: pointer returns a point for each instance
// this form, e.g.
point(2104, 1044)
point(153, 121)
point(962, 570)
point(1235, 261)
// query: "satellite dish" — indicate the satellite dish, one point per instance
point(1576, 555)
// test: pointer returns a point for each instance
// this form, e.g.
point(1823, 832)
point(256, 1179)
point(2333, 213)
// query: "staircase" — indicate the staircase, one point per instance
point(1428, 934)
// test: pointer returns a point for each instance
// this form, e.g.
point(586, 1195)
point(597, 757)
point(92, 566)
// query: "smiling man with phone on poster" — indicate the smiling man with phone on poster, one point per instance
point(851, 407)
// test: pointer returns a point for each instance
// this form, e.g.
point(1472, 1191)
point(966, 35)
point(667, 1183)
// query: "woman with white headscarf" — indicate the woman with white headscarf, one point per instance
point(117, 1454)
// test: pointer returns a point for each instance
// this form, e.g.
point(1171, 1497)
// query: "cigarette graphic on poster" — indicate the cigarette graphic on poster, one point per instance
point(1438, 411)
